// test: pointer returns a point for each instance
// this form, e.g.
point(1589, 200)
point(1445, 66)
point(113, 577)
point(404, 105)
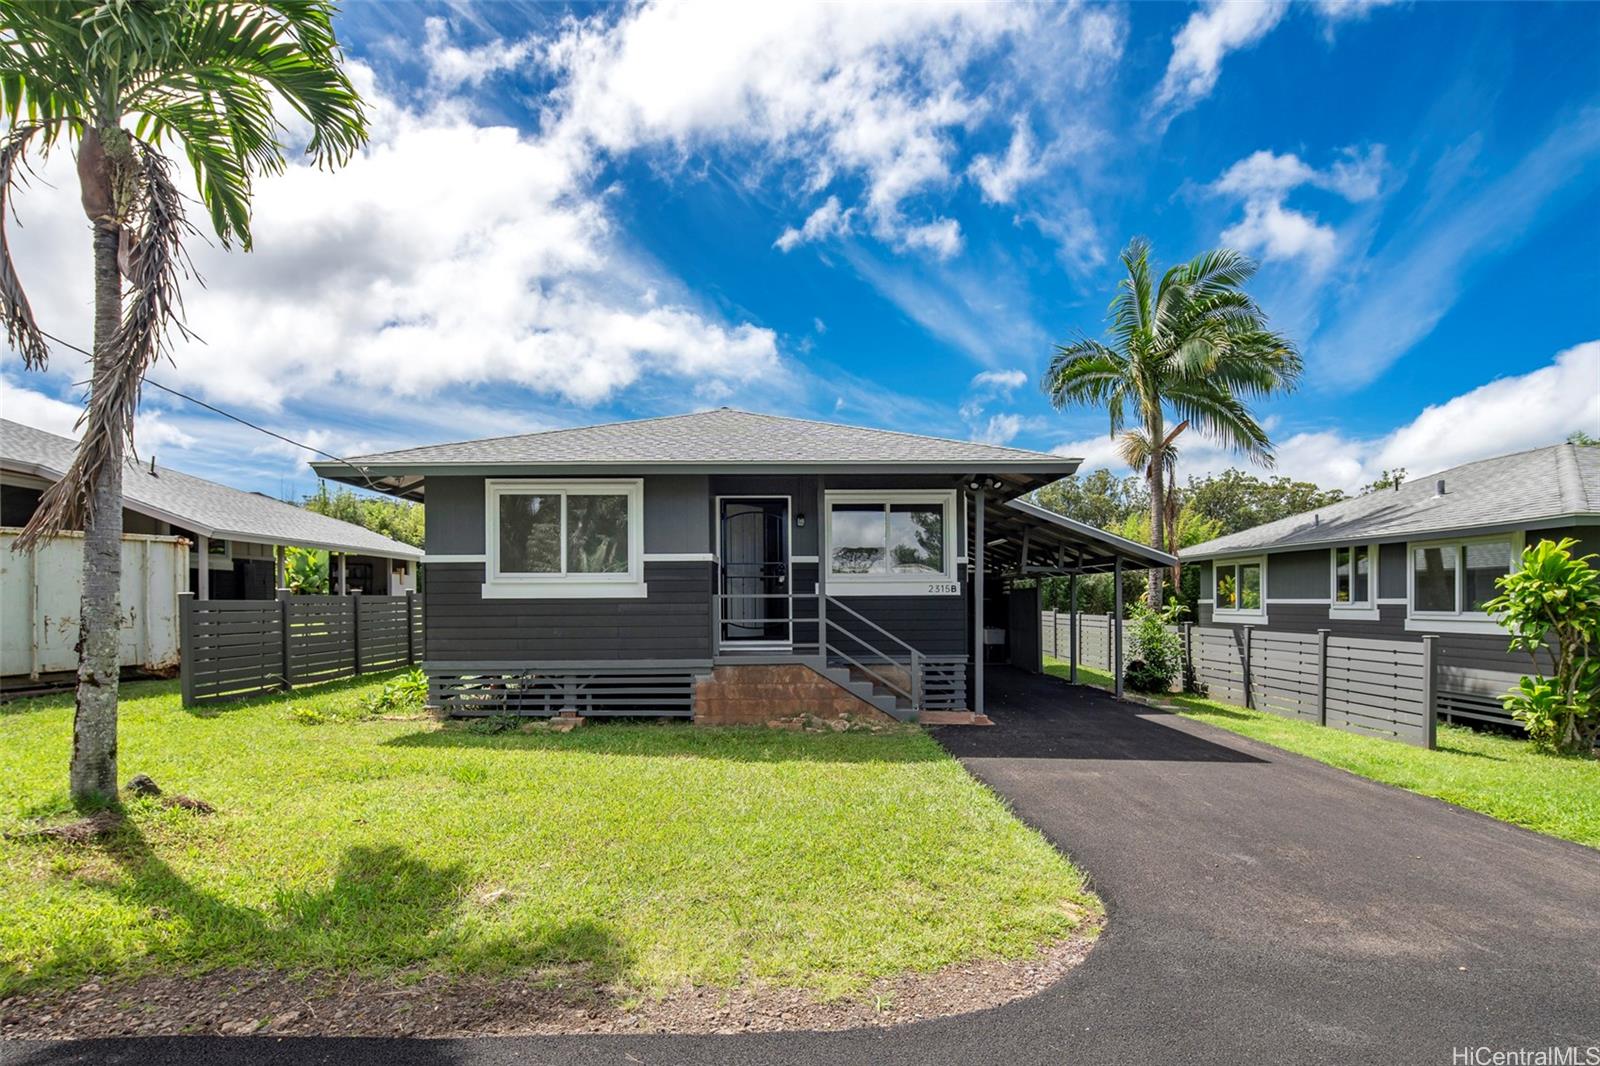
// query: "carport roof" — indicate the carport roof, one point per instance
point(1022, 539)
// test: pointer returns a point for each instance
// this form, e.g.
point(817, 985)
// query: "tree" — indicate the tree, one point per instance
point(1195, 345)
point(1550, 604)
point(126, 81)
point(399, 520)
point(1236, 500)
point(1101, 499)
point(1389, 479)
point(1582, 439)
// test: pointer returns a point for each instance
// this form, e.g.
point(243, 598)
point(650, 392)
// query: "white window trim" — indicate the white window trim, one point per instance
point(1457, 621)
point(563, 586)
point(944, 583)
point(1238, 614)
point(1356, 610)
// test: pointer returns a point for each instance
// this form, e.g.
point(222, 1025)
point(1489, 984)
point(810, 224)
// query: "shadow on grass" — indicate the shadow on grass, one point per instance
point(383, 909)
point(742, 744)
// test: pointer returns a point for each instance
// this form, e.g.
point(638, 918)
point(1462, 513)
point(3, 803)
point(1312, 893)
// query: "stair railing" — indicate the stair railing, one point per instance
point(913, 693)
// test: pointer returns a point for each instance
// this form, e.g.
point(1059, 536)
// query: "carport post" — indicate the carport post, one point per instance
point(202, 569)
point(1072, 627)
point(1116, 631)
point(977, 601)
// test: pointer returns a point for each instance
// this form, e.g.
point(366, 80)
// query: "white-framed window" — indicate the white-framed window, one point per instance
point(893, 543)
point(1449, 581)
point(1239, 588)
point(564, 539)
point(1353, 578)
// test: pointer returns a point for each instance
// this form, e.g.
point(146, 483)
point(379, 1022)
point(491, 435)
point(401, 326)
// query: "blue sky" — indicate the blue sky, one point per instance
point(887, 215)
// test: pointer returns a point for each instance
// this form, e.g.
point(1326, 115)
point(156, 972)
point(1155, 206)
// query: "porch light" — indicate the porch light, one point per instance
point(800, 519)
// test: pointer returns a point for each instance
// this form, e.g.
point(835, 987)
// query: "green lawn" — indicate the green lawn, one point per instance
point(648, 855)
point(1496, 774)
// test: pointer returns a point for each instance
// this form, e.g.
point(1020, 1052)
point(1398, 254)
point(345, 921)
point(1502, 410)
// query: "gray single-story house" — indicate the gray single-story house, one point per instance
point(731, 566)
point(1418, 559)
point(239, 536)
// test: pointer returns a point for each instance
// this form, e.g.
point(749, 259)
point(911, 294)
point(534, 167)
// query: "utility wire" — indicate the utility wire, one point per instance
point(229, 415)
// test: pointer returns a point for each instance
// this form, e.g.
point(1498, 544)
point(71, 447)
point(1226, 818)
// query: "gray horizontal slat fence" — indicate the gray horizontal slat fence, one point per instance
point(1382, 688)
point(1094, 638)
point(235, 648)
point(1285, 671)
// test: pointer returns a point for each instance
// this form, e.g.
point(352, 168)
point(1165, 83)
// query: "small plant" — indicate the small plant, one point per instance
point(408, 691)
point(305, 571)
point(1156, 652)
point(306, 714)
point(1551, 605)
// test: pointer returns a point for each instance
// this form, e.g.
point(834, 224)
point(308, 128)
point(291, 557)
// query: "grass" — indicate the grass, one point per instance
point(1495, 774)
point(650, 855)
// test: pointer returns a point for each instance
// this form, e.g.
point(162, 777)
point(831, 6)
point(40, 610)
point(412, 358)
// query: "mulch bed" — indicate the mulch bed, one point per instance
point(269, 1003)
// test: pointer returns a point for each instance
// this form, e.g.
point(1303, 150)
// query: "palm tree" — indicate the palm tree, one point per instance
point(125, 81)
point(1197, 346)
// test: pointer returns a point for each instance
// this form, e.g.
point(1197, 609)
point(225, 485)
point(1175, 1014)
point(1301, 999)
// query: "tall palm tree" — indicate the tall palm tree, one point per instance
point(125, 81)
point(1195, 345)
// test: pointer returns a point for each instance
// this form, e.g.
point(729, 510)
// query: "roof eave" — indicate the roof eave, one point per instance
point(1581, 518)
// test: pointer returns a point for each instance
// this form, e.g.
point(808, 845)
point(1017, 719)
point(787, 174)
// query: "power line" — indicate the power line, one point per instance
point(229, 415)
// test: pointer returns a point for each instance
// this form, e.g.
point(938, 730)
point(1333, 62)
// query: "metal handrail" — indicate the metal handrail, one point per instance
point(857, 614)
point(870, 672)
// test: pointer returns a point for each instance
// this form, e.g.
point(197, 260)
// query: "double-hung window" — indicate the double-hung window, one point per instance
point(554, 539)
point(1239, 589)
point(891, 543)
point(1450, 581)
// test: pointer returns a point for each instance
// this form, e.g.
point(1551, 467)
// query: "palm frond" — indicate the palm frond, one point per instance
point(22, 331)
point(157, 266)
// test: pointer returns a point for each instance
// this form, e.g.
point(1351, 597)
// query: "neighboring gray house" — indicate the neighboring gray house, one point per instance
point(1419, 559)
point(731, 565)
point(239, 535)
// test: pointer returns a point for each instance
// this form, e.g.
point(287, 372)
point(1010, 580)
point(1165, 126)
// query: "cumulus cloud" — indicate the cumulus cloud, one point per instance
point(450, 66)
point(1264, 180)
point(1489, 420)
point(999, 381)
point(942, 237)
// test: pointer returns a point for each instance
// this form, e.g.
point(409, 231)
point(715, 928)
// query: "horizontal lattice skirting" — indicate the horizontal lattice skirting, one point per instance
point(944, 683)
point(484, 689)
point(1475, 707)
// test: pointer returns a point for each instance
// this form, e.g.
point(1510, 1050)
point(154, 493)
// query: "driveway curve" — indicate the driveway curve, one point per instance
point(1263, 907)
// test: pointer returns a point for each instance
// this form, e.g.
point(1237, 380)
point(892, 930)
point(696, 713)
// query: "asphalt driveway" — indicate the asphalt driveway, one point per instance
point(1263, 908)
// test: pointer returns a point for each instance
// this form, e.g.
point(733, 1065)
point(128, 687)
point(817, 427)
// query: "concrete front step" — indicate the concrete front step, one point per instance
point(870, 691)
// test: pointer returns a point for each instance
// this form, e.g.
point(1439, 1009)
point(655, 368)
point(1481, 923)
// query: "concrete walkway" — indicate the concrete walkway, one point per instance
point(1264, 908)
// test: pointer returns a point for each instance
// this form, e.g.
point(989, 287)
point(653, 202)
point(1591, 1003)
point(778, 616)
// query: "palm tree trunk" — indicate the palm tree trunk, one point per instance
point(94, 727)
point(1158, 521)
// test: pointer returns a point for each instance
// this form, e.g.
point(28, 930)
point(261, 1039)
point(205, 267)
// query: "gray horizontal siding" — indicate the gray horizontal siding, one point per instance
point(673, 622)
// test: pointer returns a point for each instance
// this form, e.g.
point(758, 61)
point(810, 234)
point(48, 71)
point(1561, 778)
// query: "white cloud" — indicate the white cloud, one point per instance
point(1000, 429)
point(999, 179)
point(1198, 49)
point(1492, 419)
point(866, 90)
point(1263, 181)
point(20, 403)
point(942, 237)
point(999, 381)
point(450, 66)
point(829, 220)
point(355, 289)
point(1334, 11)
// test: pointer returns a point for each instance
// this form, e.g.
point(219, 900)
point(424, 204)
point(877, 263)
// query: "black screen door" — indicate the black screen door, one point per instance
point(754, 550)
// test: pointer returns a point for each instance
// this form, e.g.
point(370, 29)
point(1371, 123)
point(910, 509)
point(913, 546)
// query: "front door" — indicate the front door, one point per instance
point(753, 547)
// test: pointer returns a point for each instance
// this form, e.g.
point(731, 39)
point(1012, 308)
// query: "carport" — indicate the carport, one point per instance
point(1019, 543)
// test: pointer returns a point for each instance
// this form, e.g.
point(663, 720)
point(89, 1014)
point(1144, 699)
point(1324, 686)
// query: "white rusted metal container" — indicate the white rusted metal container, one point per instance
point(40, 589)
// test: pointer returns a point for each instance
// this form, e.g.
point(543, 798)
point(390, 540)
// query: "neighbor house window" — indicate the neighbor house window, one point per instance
point(1238, 586)
point(1352, 576)
point(898, 539)
point(558, 538)
point(1458, 577)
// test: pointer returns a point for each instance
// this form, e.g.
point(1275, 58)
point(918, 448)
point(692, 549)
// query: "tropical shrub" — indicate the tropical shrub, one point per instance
point(1551, 605)
point(1156, 652)
point(407, 691)
point(305, 571)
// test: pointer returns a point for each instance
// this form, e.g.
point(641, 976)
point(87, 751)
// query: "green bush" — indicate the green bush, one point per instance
point(408, 691)
point(1551, 605)
point(305, 571)
point(1156, 653)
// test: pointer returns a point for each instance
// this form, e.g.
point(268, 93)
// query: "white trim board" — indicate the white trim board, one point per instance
point(455, 558)
point(679, 557)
